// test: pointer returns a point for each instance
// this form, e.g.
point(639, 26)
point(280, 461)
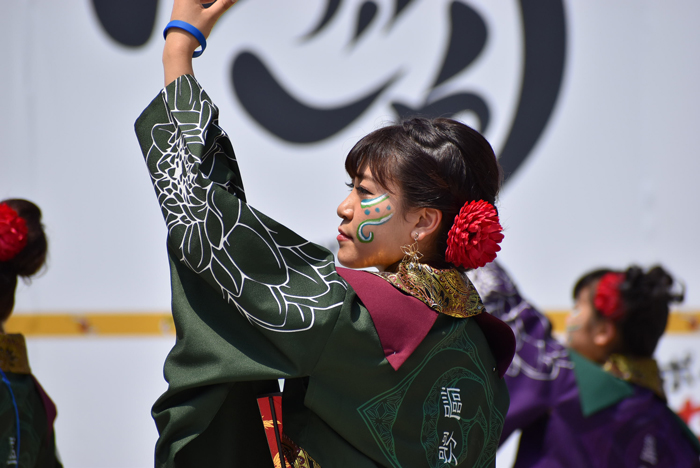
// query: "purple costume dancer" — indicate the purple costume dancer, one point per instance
point(573, 412)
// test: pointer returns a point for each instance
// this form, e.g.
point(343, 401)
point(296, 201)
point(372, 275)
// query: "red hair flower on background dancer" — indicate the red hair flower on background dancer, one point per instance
point(608, 299)
point(13, 233)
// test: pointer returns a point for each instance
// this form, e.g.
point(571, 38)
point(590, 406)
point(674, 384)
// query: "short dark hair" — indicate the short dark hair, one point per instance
point(28, 261)
point(436, 163)
point(647, 297)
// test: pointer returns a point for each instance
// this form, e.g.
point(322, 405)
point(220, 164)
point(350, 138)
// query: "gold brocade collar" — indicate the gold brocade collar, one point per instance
point(13, 354)
point(446, 291)
point(639, 371)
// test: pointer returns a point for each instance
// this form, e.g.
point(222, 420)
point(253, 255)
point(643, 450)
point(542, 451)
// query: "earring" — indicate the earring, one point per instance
point(411, 253)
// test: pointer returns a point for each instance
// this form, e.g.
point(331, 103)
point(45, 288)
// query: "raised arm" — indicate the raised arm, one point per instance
point(252, 301)
point(276, 279)
point(179, 44)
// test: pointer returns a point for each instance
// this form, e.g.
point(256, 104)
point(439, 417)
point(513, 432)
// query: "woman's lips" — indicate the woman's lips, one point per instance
point(342, 236)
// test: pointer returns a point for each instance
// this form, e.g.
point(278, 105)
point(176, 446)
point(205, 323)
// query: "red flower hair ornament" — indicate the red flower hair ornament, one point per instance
point(474, 237)
point(607, 297)
point(13, 233)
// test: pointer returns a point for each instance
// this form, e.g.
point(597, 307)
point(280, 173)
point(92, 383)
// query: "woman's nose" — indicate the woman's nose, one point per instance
point(345, 209)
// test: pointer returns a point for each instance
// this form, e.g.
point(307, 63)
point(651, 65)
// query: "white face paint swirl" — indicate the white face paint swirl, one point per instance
point(374, 201)
point(371, 222)
point(366, 205)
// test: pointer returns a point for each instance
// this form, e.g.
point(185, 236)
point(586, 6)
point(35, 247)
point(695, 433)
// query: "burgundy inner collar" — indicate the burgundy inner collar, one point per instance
point(400, 332)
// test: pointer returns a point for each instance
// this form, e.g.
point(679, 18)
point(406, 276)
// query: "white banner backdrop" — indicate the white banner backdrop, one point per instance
point(609, 178)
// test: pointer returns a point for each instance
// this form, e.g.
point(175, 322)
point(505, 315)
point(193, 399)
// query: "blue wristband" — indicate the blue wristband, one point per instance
point(190, 29)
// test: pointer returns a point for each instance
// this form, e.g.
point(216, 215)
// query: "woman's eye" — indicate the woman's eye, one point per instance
point(362, 190)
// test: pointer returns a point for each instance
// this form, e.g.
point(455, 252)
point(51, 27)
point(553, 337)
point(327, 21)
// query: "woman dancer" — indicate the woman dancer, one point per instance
point(601, 402)
point(26, 412)
point(399, 368)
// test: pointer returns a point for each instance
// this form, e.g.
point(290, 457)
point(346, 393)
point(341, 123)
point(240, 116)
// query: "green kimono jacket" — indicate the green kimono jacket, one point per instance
point(23, 400)
point(254, 302)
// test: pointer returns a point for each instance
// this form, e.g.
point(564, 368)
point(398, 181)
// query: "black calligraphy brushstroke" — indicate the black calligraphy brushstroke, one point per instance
point(282, 114)
point(129, 22)
point(331, 10)
point(467, 40)
point(450, 106)
point(265, 99)
point(368, 12)
point(544, 24)
point(400, 7)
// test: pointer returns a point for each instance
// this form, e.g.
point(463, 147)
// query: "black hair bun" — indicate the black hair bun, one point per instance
point(653, 286)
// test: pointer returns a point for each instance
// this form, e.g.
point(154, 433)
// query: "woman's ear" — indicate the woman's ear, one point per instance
point(427, 222)
point(605, 335)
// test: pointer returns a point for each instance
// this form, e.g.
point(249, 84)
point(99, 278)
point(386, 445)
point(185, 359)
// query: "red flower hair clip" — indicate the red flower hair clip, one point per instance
point(607, 297)
point(474, 237)
point(13, 233)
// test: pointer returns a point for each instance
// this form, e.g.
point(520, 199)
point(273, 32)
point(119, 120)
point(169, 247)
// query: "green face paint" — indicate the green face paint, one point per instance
point(373, 201)
point(365, 205)
point(371, 222)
